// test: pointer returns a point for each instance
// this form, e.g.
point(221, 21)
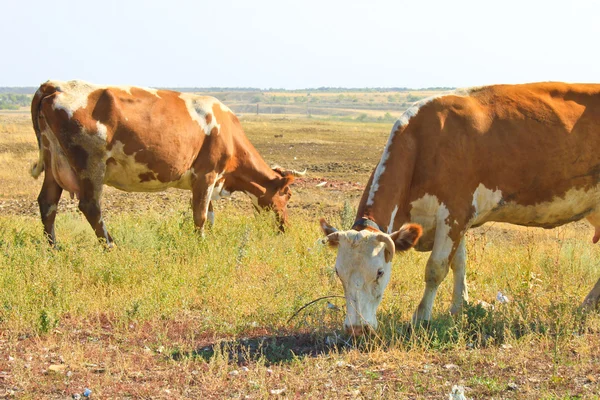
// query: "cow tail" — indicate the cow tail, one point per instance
point(45, 90)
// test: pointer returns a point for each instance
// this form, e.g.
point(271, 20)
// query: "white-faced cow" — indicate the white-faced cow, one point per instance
point(522, 154)
point(144, 140)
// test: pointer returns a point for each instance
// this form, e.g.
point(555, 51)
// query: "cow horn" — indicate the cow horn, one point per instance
point(298, 173)
point(284, 171)
point(390, 248)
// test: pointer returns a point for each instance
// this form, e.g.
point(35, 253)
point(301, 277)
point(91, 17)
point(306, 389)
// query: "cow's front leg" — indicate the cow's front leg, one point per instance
point(459, 266)
point(211, 214)
point(202, 188)
point(436, 269)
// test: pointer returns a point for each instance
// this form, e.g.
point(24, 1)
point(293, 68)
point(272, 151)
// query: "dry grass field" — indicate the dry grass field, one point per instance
point(168, 314)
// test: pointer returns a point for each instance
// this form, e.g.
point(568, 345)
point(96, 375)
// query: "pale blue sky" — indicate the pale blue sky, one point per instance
point(299, 44)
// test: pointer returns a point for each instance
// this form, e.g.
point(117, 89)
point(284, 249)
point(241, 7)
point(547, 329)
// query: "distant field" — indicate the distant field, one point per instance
point(168, 314)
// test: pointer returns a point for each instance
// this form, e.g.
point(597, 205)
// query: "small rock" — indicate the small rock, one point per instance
point(245, 369)
point(278, 391)
point(235, 372)
point(457, 393)
point(512, 386)
point(76, 396)
point(57, 368)
point(269, 371)
point(501, 298)
point(451, 366)
point(506, 346)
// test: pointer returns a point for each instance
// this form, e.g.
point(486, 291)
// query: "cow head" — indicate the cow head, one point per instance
point(363, 264)
point(277, 193)
point(276, 198)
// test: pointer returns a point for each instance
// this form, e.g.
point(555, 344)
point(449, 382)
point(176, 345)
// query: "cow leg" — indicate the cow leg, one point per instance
point(202, 188)
point(211, 214)
point(591, 300)
point(89, 205)
point(459, 263)
point(436, 269)
point(48, 202)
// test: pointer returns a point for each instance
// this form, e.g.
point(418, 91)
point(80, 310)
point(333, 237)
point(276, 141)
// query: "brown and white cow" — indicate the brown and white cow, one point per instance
point(522, 154)
point(144, 140)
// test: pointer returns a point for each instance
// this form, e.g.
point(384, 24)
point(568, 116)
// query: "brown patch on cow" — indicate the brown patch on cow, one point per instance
point(147, 177)
point(214, 131)
point(208, 118)
point(80, 157)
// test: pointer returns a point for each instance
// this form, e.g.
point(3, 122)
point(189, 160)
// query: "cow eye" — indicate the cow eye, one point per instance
point(379, 273)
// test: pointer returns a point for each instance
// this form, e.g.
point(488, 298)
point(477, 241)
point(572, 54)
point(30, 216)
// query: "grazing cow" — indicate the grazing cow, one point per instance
point(522, 154)
point(145, 140)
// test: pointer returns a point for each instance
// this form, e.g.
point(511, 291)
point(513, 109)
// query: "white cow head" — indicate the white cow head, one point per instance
point(363, 264)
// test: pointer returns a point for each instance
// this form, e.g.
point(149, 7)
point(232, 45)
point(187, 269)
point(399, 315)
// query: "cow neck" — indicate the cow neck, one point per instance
point(385, 198)
point(254, 176)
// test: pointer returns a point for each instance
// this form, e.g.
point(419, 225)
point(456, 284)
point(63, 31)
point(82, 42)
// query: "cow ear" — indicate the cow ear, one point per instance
point(407, 236)
point(327, 229)
point(333, 239)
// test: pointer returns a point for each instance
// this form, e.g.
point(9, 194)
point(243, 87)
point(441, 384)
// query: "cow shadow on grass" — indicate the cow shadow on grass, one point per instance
point(271, 349)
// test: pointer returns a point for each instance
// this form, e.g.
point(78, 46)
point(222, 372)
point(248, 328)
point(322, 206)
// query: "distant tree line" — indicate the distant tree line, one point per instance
point(14, 101)
point(31, 90)
point(18, 90)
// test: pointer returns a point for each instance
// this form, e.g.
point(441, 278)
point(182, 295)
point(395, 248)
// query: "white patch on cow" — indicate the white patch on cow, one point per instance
point(442, 246)
point(209, 194)
point(484, 202)
point(102, 130)
point(128, 89)
point(403, 121)
point(424, 211)
point(390, 227)
point(219, 191)
point(124, 173)
point(72, 95)
point(574, 205)
point(199, 107)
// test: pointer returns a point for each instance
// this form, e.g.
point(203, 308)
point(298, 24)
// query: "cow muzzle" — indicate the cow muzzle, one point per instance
point(358, 330)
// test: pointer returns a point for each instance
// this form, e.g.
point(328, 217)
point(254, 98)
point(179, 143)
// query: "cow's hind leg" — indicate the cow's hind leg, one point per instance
point(459, 264)
point(202, 188)
point(591, 300)
point(89, 205)
point(48, 202)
